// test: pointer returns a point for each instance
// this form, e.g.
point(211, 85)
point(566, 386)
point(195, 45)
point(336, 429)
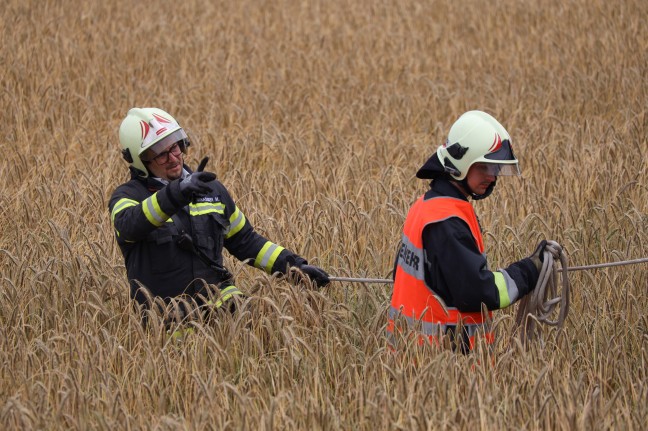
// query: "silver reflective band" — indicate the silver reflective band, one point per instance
point(411, 259)
point(267, 255)
point(427, 328)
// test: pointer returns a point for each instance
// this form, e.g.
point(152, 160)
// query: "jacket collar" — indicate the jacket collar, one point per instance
point(444, 187)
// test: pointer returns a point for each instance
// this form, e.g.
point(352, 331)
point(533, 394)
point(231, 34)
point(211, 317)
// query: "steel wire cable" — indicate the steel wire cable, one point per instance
point(569, 269)
point(541, 304)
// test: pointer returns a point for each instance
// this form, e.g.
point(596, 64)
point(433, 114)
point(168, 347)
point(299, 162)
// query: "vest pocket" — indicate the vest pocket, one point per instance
point(163, 253)
point(209, 233)
point(220, 221)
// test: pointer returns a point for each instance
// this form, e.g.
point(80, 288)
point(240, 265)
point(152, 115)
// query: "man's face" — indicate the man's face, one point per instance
point(168, 164)
point(480, 177)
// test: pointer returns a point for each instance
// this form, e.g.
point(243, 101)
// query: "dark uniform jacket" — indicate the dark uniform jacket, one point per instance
point(457, 271)
point(149, 216)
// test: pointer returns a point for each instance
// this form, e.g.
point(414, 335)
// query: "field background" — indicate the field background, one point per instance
point(316, 115)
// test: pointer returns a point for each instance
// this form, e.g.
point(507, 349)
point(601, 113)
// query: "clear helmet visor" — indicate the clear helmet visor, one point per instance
point(501, 169)
point(503, 152)
point(164, 144)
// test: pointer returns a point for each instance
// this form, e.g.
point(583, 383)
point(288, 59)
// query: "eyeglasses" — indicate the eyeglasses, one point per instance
point(163, 157)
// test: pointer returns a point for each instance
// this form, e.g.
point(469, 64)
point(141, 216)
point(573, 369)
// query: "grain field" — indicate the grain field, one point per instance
point(316, 116)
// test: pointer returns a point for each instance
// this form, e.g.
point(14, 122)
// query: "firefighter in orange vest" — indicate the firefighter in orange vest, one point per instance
point(443, 287)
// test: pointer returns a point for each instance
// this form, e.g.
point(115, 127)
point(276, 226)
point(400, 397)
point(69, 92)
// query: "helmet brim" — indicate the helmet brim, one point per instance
point(504, 152)
point(163, 145)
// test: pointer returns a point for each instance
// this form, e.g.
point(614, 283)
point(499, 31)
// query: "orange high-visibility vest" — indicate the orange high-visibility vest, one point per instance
point(412, 298)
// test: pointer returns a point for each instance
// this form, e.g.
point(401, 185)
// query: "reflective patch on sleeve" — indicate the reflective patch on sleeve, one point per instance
point(122, 204)
point(202, 208)
point(153, 212)
point(267, 256)
point(237, 221)
point(502, 289)
point(511, 287)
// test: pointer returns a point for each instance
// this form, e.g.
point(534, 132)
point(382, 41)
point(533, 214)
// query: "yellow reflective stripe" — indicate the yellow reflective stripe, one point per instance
point(206, 208)
point(181, 333)
point(122, 204)
point(500, 282)
point(153, 212)
point(226, 294)
point(267, 256)
point(237, 221)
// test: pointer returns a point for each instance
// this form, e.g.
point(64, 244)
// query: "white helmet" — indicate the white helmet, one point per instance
point(477, 137)
point(147, 132)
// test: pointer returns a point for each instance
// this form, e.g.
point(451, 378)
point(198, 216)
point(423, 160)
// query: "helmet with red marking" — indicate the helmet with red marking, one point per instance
point(147, 132)
point(477, 137)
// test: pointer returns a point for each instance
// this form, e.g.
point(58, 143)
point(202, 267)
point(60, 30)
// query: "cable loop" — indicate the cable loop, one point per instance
point(540, 304)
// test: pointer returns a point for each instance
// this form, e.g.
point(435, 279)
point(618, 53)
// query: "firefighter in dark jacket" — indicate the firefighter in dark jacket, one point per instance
point(171, 224)
point(443, 286)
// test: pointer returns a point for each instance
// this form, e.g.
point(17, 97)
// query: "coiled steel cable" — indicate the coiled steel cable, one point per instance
point(539, 305)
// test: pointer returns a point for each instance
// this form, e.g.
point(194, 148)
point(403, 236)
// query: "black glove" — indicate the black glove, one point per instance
point(538, 255)
point(196, 184)
point(316, 274)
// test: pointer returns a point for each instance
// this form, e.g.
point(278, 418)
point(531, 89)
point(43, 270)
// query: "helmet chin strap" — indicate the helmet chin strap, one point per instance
point(474, 195)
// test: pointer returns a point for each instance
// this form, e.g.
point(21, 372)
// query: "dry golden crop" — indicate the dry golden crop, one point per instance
point(316, 115)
